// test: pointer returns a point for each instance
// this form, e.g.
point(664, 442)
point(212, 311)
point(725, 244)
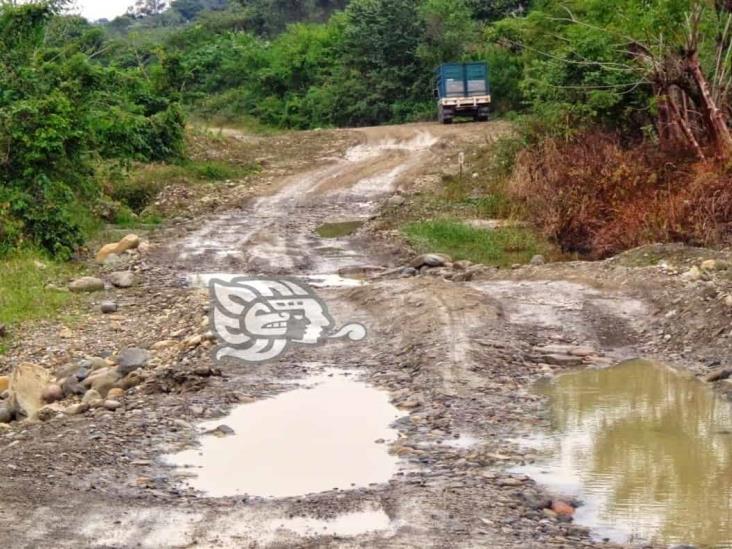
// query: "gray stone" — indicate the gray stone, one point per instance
point(87, 284)
point(6, 416)
point(396, 200)
point(108, 307)
point(718, 375)
point(221, 431)
point(103, 380)
point(430, 260)
point(408, 271)
point(76, 409)
point(52, 393)
point(72, 386)
point(122, 279)
point(131, 359)
point(537, 260)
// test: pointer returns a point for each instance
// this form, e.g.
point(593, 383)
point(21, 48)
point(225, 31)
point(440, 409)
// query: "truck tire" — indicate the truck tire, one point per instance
point(444, 116)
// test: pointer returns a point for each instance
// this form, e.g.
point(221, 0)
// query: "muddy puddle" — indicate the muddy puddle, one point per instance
point(338, 229)
point(647, 450)
point(331, 432)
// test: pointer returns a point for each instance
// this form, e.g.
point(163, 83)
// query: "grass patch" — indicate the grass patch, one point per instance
point(23, 292)
point(139, 187)
point(500, 247)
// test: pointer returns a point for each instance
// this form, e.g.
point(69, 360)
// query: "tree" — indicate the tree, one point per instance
point(146, 8)
point(449, 31)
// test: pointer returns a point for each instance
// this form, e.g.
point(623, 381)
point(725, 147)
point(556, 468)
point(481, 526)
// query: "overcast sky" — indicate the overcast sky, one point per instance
point(97, 9)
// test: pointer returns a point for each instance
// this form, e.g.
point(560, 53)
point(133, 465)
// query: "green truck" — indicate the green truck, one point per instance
point(462, 89)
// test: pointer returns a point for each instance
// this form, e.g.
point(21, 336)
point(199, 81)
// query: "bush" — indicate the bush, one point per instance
point(594, 196)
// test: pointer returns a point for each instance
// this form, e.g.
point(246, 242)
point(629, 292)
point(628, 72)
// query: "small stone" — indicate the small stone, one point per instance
point(111, 405)
point(221, 431)
point(164, 344)
point(408, 271)
point(193, 341)
point(718, 375)
point(562, 508)
point(115, 393)
point(709, 265)
point(122, 279)
point(103, 380)
point(537, 260)
point(91, 396)
point(76, 409)
point(87, 284)
point(71, 386)
point(52, 393)
point(728, 300)
point(47, 413)
point(692, 274)
point(108, 307)
point(6, 416)
point(130, 359)
point(396, 200)
point(430, 260)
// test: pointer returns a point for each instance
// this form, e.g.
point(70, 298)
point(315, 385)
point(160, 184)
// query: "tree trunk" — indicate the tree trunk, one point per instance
point(683, 124)
point(714, 118)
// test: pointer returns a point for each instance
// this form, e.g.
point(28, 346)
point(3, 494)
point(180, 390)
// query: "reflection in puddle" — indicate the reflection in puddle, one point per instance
point(308, 440)
point(336, 230)
point(644, 448)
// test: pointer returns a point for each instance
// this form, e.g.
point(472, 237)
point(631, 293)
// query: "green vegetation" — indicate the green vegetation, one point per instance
point(24, 291)
point(501, 247)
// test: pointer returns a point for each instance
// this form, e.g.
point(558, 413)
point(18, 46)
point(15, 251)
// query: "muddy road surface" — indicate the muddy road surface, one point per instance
point(408, 438)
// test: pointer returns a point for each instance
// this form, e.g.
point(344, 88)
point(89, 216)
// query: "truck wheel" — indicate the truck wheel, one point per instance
point(444, 116)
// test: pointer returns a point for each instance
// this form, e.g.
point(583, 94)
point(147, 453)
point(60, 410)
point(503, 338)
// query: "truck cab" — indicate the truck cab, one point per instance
point(462, 89)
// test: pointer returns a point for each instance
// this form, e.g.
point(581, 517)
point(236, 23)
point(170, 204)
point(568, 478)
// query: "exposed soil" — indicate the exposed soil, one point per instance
point(458, 358)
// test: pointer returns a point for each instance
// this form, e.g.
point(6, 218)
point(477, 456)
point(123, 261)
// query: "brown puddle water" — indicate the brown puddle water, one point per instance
point(311, 439)
point(647, 450)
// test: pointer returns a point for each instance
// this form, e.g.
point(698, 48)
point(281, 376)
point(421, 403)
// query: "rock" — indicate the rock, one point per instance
point(396, 200)
point(111, 405)
point(91, 396)
point(164, 344)
point(193, 341)
point(537, 260)
point(71, 386)
point(87, 284)
point(709, 265)
point(47, 413)
point(76, 409)
point(94, 363)
point(133, 379)
point(562, 360)
point(112, 260)
point(115, 393)
point(408, 271)
point(462, 265)
point(6, 416)
point(108, 307)
point(122, 279)
point(27, 383)
point(144, 247)
point(103, 380)
point(692, 274)
point(130, 359)
point(718, 375)
point(728, 300)
point(131, 241)
point(430, 260)
point(535, 500)
point(52, 393)
point(562, 508)
point(221, 431)
point(4, 383)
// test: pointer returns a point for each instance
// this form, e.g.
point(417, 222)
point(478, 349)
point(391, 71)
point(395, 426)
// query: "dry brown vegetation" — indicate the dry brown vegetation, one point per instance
point(594, 196)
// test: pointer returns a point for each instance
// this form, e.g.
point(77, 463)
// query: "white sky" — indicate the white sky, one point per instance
point(97, 9)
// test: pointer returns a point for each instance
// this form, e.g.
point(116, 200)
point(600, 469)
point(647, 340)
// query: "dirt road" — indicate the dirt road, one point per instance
point(456, 359)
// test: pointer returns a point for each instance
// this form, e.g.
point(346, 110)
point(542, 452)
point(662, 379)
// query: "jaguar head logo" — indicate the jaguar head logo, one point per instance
point(258, 319)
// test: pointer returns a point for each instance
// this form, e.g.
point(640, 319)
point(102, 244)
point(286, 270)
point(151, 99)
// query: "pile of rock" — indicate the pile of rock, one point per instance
point(442, 266)
point(32, 392)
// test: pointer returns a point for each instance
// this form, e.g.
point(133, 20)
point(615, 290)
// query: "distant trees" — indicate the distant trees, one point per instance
point(146, 8)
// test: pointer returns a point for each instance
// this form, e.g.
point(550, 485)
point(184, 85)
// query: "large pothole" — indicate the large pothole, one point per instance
point(331, 433)
point(646, 450)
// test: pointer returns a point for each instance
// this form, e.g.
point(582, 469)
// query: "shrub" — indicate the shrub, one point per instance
point(594, 196)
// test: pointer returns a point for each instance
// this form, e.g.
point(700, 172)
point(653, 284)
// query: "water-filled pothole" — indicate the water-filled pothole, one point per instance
point(646, 449)
point(339, 229)
point(312, 439)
